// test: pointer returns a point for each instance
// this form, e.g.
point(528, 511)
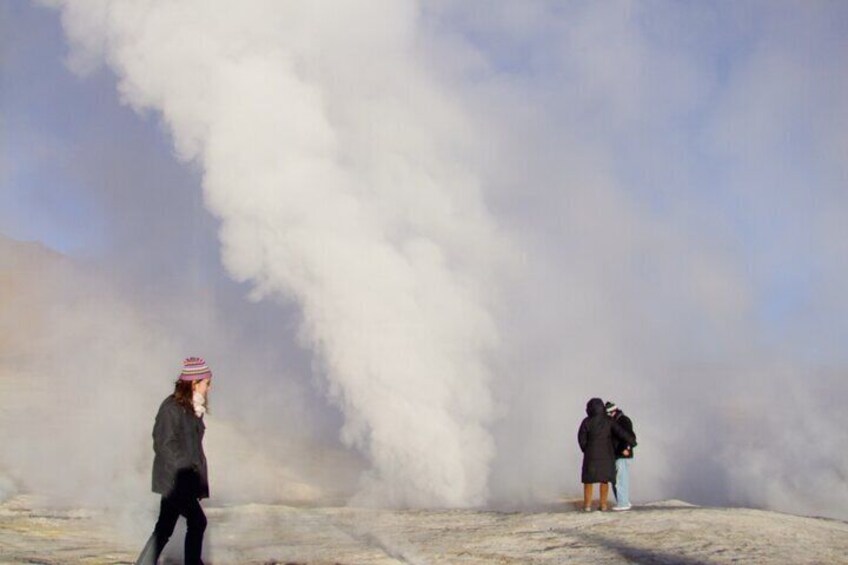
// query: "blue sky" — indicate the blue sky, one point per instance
point(58, 124)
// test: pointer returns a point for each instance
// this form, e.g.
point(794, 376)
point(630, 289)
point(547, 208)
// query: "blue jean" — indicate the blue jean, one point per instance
point(622, 482)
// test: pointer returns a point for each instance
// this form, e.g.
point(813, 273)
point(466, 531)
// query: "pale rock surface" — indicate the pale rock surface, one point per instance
point(666, 532)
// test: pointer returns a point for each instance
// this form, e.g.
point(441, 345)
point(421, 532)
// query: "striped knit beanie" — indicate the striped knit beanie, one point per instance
point(195, 369)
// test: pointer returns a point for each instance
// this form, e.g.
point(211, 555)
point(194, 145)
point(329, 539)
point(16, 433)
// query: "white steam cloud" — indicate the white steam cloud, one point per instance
point(334, 162)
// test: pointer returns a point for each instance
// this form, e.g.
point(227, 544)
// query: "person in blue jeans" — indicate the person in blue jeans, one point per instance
point(623, 455)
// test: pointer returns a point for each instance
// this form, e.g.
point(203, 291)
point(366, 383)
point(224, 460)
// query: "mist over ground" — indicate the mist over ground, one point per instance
point(413, 239)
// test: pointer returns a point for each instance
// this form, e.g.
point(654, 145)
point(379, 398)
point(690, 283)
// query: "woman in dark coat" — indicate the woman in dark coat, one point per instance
point(179, 464)
point(595, 437)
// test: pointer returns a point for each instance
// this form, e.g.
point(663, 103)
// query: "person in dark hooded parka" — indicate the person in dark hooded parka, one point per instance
point(596, 435)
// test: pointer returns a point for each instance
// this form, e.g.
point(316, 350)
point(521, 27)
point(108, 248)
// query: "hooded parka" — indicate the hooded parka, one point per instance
point(179, 464)
point(595, 436)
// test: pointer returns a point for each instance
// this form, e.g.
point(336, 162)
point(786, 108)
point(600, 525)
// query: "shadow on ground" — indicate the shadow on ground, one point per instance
point(635, 554)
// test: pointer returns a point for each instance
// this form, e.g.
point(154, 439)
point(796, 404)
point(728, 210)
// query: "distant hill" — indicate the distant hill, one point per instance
point(26, 271)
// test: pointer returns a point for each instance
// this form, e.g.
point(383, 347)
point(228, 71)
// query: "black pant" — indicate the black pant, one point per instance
point(171, 508)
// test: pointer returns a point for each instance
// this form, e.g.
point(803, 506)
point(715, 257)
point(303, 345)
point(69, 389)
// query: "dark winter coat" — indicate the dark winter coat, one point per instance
point(596, 435)
point(179, 464)
point(621, 445)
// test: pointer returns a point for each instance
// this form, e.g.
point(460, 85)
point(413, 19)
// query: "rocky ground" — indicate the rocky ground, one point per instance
point(666, 532)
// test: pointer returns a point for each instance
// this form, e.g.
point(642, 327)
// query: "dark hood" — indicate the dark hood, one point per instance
point(594, 407)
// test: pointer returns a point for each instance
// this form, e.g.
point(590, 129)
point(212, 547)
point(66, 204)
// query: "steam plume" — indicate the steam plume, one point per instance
point(330, 157)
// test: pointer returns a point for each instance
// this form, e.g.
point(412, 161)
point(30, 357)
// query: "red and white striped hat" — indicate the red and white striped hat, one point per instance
point(195, 369)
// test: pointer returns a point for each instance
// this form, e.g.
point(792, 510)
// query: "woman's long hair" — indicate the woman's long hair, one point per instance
point(183, 392)
point(184, 395)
